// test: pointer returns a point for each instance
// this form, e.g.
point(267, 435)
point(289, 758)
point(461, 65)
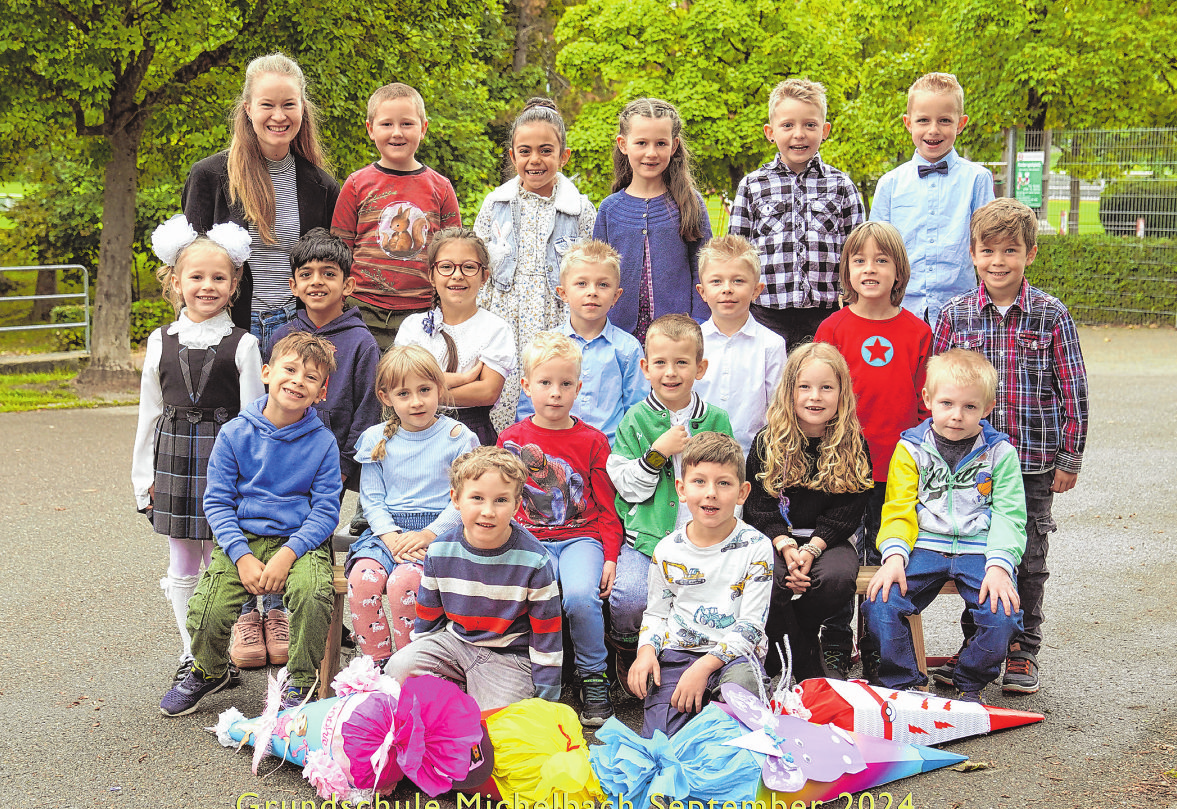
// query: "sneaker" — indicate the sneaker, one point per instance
point(182, 672)
point(870, 666)
point(942, 674)
point(594, 697)
point(276, 628)
point(968, 696)
point(247, 647)
point(234, 677)
point(293, 696)
point(184, 696)
point(623, 659)
point(838, 663)
point(1021, 672)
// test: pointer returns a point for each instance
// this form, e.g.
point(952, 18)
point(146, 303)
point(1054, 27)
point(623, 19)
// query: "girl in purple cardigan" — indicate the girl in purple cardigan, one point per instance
point(656, 218)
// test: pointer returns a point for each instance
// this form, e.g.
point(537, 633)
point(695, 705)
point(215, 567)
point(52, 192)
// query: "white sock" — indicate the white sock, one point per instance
point(178, 590)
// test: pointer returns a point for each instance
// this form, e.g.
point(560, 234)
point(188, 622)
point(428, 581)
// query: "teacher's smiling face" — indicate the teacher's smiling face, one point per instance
point(276, 113)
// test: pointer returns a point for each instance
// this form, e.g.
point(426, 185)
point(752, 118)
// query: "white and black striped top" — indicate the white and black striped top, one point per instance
point(270, 263)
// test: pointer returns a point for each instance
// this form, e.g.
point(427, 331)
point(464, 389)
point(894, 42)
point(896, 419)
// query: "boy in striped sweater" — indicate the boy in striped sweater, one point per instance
point(487, 586)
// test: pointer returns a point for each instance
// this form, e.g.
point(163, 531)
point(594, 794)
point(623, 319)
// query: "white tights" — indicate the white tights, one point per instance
point(185, 556)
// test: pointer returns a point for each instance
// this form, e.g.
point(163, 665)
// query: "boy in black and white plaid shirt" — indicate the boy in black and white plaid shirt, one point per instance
point(797, 211)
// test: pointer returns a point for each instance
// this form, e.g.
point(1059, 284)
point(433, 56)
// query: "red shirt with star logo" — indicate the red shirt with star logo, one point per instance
point(888, 360)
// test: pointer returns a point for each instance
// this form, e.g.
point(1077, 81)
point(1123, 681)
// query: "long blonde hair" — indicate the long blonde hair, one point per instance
point(249, 177)
point(397, 364)
point(842, 462)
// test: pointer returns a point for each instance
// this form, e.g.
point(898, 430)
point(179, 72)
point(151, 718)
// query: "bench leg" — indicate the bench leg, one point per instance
point(916, 622)
point(330, 665)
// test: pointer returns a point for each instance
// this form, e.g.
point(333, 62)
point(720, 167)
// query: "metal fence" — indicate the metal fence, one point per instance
point(1116, 190)
point(82, 297)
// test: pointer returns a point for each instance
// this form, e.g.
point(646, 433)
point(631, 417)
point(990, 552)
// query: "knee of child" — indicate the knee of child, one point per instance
point(404, 577)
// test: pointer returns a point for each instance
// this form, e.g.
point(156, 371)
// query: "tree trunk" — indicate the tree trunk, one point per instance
point(110, 360)
point(522, 34)
point(46, 285)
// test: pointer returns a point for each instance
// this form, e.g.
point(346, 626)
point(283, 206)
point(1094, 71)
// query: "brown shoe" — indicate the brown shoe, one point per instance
point(247, 649)
point(277, 632)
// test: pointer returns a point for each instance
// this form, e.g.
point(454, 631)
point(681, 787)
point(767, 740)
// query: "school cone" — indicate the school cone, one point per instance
point(903, 716)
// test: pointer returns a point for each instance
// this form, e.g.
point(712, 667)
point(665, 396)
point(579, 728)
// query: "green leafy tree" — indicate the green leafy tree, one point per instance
point(121, 74)
point(715, 60)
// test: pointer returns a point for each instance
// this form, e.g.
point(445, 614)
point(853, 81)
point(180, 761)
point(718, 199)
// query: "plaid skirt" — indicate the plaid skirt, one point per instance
point(183, 443)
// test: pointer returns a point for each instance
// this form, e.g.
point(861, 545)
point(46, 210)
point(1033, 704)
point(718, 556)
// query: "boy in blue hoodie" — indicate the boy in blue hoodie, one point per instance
point(320, 277)
point(272, 501)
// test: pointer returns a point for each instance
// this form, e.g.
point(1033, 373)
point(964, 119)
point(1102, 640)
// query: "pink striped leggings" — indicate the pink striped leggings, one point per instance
point(366, 584)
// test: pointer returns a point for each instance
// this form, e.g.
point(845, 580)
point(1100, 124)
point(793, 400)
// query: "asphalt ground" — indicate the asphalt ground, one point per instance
point(88, 644)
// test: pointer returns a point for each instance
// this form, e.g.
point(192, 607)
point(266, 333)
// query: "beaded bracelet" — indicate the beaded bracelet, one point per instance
point(814, 551)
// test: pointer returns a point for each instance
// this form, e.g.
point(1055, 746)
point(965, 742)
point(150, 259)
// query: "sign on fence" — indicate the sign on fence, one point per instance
point(1028, 179)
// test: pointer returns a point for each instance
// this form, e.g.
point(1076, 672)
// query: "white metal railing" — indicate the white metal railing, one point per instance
point(84, 296)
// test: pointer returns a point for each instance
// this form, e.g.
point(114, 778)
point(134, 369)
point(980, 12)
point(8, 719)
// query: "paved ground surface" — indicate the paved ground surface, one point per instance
point(87, 642)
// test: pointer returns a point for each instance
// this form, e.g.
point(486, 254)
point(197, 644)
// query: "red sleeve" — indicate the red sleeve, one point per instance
point(605, 496)
point(346, 218)
point(451, 215)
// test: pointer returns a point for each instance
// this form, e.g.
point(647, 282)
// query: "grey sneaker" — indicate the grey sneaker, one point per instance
point(942, 674)
point(1021, 673)
point(186, 695)
point(596, 707)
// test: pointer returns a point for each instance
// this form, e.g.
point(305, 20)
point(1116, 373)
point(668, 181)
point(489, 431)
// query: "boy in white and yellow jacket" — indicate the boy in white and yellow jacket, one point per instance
point(955, 510)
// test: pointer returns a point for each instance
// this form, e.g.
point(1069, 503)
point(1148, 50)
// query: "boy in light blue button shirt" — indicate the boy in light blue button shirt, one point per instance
point(931, 198)
point(610, 367)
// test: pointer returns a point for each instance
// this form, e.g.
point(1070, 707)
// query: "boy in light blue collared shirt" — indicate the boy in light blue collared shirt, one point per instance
point(610, 369)
point(931, 199)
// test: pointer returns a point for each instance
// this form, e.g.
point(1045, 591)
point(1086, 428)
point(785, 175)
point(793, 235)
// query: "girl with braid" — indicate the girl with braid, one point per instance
point(474, 346)
point(405, 494)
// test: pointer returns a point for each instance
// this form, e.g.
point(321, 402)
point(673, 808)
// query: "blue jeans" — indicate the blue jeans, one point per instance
point(927, 571)
point(578, 563)
point(262, 325)
point(627, 602)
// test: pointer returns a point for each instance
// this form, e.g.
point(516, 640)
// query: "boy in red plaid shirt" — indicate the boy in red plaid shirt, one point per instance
point(1041, 398)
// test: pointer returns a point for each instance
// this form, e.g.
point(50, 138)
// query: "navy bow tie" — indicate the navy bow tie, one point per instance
point(938, 168)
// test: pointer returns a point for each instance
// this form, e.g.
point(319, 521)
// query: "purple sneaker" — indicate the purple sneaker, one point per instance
point(186, 695)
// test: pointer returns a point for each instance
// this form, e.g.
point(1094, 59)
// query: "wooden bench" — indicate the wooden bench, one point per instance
point(916, 622)
point(330, 665)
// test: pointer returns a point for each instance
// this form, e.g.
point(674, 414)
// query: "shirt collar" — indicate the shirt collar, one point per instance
point(709, 327)
point(697, 406)
point(815, 166)
point(609, 332)
point(1022, 301)
point(950, 159)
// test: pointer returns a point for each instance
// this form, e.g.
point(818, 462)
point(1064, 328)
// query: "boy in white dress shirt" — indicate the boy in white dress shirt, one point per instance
point(744, 359)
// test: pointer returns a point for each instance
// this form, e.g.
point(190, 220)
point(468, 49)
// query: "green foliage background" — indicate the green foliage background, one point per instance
point(1104, 63)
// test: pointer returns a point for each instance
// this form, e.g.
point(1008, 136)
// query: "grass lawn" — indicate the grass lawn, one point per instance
point(20, 392)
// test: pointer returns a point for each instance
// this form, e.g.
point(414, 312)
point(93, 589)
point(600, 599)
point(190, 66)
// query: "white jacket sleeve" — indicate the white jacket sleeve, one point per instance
point(150, 411)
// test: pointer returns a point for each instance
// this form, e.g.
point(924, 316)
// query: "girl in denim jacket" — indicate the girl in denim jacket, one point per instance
point(528, 225)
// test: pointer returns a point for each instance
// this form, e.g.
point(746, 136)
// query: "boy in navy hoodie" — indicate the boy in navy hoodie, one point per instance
point(320, 277)
point(272, 501)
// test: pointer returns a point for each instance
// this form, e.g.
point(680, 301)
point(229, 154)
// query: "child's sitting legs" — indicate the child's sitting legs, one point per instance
point(659, 714)
point(926, 573)
point(378, 634)
point(578, 563)
point(494, 679)
point(309, 595)
point(627, 602)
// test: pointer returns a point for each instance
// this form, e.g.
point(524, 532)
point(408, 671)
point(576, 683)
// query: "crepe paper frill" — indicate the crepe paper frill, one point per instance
point(810, 762)
point(695, 763)
point(363, 741)
point(904, 716)
point(540, 751)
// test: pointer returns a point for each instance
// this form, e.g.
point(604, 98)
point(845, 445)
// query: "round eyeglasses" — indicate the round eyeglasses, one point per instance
point(468, 268)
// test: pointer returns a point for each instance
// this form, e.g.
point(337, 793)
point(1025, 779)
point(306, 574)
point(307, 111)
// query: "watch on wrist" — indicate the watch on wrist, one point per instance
point(654, 458)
